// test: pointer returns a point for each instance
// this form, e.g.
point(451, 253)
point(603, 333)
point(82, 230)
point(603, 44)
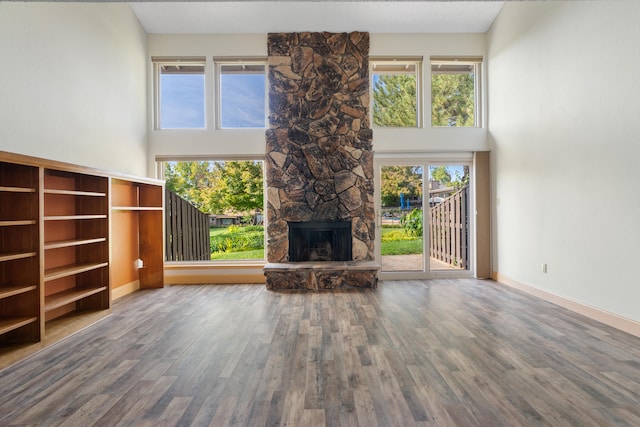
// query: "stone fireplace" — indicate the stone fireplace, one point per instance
point(319, 163)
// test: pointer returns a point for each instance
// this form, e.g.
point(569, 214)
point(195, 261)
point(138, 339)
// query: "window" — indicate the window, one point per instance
point(395, 89)
point(229, 194)
point(241, 93)
point(180, 93)
point(455, 92)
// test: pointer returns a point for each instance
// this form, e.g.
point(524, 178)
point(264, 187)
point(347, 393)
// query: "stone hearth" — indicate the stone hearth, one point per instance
point(319, 162)
point(315, 276)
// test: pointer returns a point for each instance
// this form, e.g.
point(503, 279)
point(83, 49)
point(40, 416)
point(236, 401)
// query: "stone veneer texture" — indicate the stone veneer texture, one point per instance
point(319, 162)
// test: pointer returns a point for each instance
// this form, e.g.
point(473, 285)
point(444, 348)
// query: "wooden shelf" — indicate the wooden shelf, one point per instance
point(73, 217)
point(17, 222)
point(69, 296)
point(69, 243)
point(20, 255)
point(17, 189)
point(9, 324)
point(9, 291)
point(74, 192)
point(70, 270)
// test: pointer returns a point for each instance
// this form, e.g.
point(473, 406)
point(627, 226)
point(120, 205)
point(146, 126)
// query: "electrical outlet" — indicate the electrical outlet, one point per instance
point(544, 268)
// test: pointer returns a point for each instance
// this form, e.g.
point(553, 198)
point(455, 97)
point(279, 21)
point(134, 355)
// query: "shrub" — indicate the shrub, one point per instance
point(412, 223)
point(396, 236)
point(238, 239)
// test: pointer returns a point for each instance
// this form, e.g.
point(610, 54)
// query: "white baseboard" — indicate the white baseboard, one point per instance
point(622, 323)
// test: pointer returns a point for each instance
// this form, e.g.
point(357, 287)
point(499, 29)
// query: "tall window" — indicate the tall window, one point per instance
point(395, 89)
point(241, 93)
point(455, 92)
point(180, 93)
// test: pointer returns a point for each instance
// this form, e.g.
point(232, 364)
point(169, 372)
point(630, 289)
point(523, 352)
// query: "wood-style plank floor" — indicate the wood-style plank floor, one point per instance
point(423, 353)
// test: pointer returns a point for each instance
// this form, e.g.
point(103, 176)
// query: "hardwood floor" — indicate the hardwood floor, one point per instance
point(424, 353)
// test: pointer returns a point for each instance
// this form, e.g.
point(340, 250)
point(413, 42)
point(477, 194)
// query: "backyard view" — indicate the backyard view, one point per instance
point(229, 198)
point(404, 217)
point(230, 194)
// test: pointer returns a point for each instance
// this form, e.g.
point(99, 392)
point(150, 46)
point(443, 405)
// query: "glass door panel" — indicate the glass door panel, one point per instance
point(401, 218)
point(448, 217)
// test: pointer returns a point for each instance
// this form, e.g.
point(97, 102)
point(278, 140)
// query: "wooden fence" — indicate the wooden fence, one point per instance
point(449, 230)
point(187, 230)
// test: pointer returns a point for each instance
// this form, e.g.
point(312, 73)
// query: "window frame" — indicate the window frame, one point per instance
point(158, 62)
point(417, 62)
point(476, 62)
point(219, 63)
point(160, 174)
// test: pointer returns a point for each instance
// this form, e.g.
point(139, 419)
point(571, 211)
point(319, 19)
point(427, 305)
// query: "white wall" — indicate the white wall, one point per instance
point(212, 142)
point(565, 135)
point(73, 84)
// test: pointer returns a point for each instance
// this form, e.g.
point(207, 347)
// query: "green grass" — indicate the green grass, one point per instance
point(402, 247)
point(396, 242)
point(254, 254)
point(217, 230)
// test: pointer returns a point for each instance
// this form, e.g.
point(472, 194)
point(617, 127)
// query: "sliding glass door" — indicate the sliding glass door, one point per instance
point(424, 226)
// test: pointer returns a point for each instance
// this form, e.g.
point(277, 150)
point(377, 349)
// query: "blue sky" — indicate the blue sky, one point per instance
point(243, 101)
point(183, 101)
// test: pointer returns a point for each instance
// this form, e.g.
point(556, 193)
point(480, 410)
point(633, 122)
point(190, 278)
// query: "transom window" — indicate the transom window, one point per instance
point(180, 93)
point(395, 89)
point(241, 101)
point(241, 89)
point(455, 92)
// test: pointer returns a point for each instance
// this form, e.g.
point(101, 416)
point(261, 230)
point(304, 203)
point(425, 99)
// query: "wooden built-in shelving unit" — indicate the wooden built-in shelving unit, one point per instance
point(58, 265)
point(141, 206)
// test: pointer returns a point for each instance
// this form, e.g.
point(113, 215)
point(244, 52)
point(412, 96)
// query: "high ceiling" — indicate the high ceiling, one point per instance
point(222, 17)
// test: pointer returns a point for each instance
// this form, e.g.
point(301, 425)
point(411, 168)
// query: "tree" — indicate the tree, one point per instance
point(218, 187)
point(190, 180)
point(452, 99)
point(400, 179)
point(461, 181)
point(442, 175)
point(238, 188)
point(394, 100)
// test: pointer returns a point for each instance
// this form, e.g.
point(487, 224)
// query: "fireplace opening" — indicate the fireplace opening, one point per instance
point(320, 241)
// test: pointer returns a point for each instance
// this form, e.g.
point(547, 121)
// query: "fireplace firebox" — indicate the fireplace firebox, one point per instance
point(320, 241)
